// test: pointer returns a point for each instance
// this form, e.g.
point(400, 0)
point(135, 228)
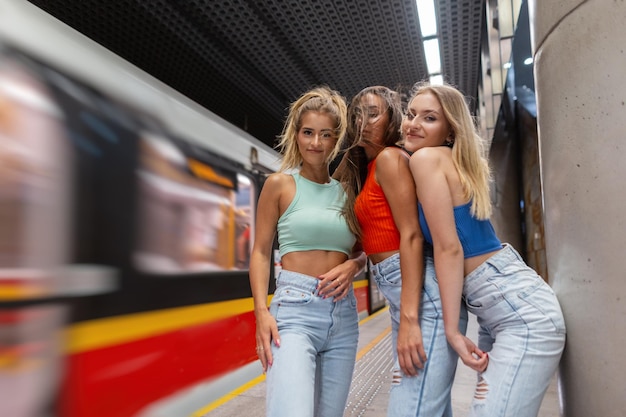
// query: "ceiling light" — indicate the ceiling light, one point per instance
point(436, 79)
point(433, 60)
point(427, 17)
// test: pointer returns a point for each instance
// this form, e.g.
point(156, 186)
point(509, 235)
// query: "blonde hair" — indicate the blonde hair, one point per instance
point(320, 99)
point(468, 152)
point(352, 171)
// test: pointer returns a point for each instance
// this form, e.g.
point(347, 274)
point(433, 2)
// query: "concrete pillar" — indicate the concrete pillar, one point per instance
point(580, 78)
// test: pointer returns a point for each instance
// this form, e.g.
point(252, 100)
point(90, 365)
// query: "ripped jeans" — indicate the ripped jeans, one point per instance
point(428, 393)
point(522, 328)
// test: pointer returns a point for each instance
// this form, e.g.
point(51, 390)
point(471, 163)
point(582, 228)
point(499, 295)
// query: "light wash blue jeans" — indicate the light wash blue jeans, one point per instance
point(522, 328)
point(313, 366)
point(428, 393)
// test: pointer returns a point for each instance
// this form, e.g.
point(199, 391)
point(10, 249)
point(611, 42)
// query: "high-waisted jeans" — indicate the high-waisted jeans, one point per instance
point(428, 393)
point(313, 366)
point(522, 328)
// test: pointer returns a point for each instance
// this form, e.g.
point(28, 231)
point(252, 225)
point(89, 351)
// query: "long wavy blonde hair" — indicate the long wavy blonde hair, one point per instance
point(468, 149)
point(320, 99)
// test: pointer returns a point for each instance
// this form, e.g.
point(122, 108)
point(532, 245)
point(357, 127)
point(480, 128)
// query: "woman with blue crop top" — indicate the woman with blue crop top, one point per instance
point(384, 206)
point(522, 331)
point(307, 340)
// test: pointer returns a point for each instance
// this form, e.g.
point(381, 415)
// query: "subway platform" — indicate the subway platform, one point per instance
point(369, 392)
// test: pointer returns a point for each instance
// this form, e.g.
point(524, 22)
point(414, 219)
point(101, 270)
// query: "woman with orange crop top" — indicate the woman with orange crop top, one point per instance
point(385, 211)
point(522, 331)
point(307, 340)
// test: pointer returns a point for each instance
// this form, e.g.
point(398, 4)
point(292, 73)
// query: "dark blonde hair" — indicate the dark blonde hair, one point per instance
point(352, 169)
point(468, 151)
point(320, 99)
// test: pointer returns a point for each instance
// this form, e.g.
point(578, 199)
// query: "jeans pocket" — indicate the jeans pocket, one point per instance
point(542, 298)
point(390, 286)
point(391, 278)
point(487, 296)
point(292, 296)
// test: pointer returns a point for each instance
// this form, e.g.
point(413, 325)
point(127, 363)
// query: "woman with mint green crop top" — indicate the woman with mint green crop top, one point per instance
point(311, 328)
point(314, 220)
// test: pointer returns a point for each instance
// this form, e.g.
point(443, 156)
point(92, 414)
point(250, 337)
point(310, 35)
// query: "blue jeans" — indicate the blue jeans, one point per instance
point(522, 328)
point(313, 366)
point(428, 393)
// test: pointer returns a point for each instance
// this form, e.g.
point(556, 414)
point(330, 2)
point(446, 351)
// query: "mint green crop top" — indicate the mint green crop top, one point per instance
point(314, 220)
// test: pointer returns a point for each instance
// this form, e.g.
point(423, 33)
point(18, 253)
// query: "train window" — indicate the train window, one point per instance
point(243, 222)
point(34, 184)
point(192, 216)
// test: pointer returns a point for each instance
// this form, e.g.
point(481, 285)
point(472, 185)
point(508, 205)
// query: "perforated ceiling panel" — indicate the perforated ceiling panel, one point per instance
point(460, 24)
point(246, 60)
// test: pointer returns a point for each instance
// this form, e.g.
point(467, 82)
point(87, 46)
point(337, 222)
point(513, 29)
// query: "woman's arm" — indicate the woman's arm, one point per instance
point(430, 168)
point(268, 212)
point(394, 176)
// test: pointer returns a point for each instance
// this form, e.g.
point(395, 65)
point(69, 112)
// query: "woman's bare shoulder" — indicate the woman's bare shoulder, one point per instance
point(430, 152)
point(391, 155)
point(278, 179)
point(392, 152)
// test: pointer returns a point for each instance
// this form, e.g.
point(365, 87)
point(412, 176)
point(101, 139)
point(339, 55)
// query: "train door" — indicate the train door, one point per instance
point(38, 273)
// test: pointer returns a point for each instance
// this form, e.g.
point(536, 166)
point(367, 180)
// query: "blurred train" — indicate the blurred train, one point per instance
point(126, 218)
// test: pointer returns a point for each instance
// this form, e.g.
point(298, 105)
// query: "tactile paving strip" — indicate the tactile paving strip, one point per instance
point(372, 376)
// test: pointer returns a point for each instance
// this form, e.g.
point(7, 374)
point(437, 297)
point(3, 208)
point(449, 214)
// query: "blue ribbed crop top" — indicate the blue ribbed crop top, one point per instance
point(477, 236)
point(314, 220)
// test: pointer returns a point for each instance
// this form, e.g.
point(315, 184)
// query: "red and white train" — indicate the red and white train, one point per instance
point(126, 213)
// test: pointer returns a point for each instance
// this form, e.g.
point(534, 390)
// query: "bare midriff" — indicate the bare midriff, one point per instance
point(475, 261)
point(381, 256)
point(312, 262)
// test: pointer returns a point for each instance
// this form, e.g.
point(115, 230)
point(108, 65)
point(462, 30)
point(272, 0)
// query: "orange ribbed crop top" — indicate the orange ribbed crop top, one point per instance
point(378, 230)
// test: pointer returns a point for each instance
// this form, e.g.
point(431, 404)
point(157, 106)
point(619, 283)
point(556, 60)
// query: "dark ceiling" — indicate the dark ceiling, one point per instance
point(246, 60)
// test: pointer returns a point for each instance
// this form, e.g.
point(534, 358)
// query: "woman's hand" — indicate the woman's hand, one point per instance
point(411, 353)
point(469, 352)
point(338, 281)
point(266, 332)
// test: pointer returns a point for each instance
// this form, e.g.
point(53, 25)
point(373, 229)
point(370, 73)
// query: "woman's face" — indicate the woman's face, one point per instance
point(316, 137)
point(373, 120)
point(424, 123)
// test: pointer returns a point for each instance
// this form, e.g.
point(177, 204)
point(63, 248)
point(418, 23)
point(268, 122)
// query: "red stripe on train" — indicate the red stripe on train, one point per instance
point(121, 380)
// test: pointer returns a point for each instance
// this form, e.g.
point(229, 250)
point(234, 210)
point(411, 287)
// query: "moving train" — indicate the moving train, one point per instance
point(126, 218)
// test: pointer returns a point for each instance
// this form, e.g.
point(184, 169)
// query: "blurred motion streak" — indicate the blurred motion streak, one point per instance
point(127, 213)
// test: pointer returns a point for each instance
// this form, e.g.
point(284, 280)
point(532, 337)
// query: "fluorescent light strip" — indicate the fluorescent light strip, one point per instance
point(427, 17)
point(433, 60)
point(428, 26)
point(436, 79)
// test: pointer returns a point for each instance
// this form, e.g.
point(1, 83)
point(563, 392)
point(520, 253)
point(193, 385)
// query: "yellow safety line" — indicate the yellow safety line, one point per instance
point(373, 343)
point(233, 394)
